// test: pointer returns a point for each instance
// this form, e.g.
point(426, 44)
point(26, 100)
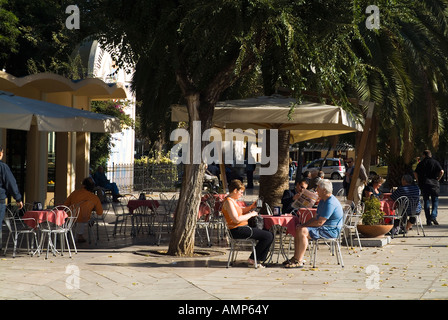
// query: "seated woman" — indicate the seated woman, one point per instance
point(373, 188)
point(236, 218)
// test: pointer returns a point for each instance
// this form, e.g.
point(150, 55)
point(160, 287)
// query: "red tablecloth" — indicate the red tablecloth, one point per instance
point(45, 215)
point(287, 220)
point(388, 207)
point(134, 204)
point(282, 220)
point(386, 196)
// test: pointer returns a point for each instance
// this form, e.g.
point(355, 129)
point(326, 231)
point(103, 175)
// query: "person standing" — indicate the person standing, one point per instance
point(360, 184)
point(428, 173)
point(8, 186)
point(348, 175)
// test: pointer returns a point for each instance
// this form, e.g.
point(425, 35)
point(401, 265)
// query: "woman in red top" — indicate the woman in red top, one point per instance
point(236, 218)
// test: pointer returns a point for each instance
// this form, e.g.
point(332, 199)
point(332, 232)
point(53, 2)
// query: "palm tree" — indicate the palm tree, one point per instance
point(406, 77)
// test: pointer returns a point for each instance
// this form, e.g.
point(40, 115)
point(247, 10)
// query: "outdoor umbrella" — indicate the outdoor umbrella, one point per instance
point(20, 113)
point(307, 121)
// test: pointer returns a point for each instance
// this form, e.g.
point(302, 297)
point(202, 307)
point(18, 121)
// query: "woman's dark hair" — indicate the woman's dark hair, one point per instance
point(88, 184)
point(236, 184)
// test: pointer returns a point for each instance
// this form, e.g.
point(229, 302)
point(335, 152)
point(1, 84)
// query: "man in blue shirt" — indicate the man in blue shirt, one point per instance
point(327, 223)
point(8, 186)
point(412, 191)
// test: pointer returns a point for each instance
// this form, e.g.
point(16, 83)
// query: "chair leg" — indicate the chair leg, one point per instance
point(339, 254)
point(359, 240)
point(255, 257)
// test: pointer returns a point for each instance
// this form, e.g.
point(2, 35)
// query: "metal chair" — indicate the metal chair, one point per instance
point(121, 212)
point(351, 221)
point(334, 243)
point(95, 220)
point(400, 206)
point(414, 204)
point(236, 244)
point(161, 221)
point(203, 221)
point(18, 228)
point(49, 229)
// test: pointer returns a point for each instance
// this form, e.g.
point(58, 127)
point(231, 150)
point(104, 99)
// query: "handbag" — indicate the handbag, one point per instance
point(256, 222)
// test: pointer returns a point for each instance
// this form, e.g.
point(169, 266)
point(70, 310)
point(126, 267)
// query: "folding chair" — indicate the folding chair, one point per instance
point(400, 206)
point(18, 228)
point(414, 204)
point(351, 221)
point(203, 222)
point(236, 244)
point(334, 243)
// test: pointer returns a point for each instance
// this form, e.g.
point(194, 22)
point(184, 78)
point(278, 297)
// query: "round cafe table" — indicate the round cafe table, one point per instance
point(134, 204)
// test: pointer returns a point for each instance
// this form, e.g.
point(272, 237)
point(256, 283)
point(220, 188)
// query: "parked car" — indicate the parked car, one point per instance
point(379, 169)
point(334, 168)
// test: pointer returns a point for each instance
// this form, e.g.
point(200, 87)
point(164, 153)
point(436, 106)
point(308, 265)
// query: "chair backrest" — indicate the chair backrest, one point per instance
point(69, 213)
point(153, 207)
point(119, 208)
point(204, 207)
point(211, 200)
point(415, 206)
point(340, 193)
point(305, 215)
point(401, 205)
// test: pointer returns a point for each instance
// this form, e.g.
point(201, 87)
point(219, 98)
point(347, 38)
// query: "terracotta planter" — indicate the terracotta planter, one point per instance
point(374, 231)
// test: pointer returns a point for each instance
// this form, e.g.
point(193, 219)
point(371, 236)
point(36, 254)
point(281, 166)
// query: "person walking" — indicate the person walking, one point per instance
point(428, 174)
point(8, 186)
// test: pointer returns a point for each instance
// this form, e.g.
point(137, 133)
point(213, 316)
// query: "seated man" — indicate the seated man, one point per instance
point(88, 202)
point(412, 191)
point(326, 224)
point(289, 196)
point(101, 180)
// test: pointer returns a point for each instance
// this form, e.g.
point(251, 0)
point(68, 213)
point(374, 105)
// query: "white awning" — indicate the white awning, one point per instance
point(20, 113)
point(307, 121)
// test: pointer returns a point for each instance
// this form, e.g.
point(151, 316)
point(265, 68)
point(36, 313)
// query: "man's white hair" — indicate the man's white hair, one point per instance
point(326, 185)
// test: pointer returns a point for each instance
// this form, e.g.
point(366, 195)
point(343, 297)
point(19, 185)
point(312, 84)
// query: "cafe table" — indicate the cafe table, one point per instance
point(284, 225)
point(134, 204)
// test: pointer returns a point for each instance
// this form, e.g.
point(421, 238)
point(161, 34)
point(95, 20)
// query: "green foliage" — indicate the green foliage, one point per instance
point(372, 212)
point(38, 37)
point(9, 31)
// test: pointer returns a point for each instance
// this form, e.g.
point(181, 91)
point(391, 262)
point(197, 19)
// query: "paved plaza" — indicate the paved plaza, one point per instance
point(123, 268)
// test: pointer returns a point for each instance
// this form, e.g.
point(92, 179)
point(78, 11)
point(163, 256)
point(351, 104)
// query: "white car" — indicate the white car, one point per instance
point(334, 168)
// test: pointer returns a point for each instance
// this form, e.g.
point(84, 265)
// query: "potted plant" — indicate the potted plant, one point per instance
point(373, 219)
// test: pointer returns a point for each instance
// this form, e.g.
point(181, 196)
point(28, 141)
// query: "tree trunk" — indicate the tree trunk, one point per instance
point(183, 233)
point(272, 187)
